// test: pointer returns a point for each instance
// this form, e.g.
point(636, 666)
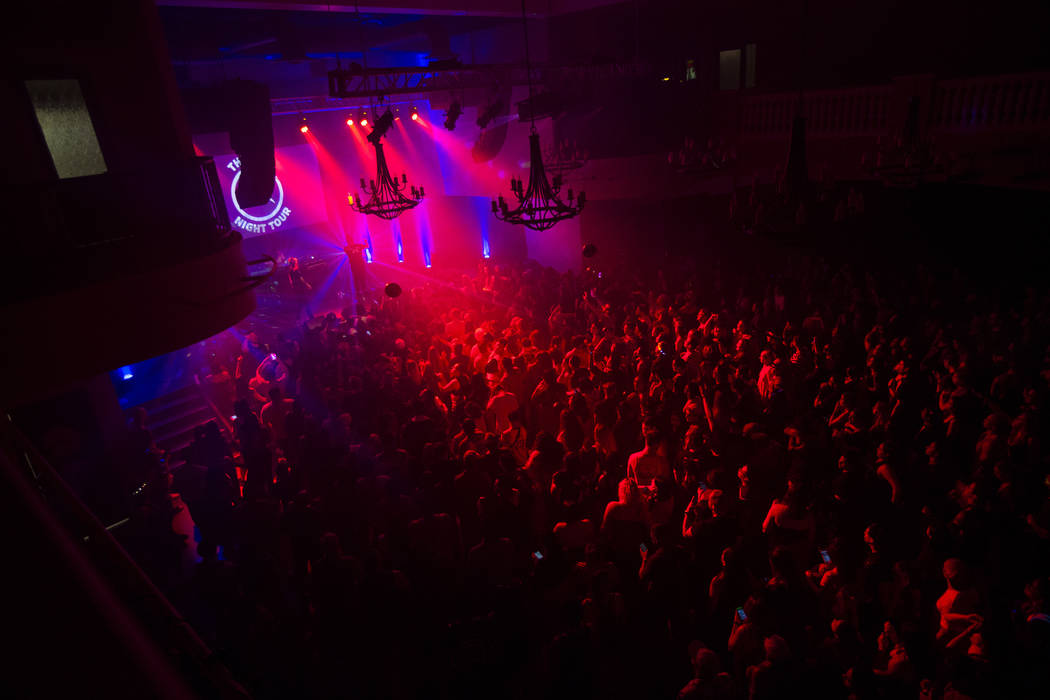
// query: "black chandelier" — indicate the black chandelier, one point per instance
point(539, 206)
point(386, 196)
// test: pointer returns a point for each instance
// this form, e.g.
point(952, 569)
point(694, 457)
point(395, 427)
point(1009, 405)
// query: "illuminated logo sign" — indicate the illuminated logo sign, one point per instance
point(266, 217)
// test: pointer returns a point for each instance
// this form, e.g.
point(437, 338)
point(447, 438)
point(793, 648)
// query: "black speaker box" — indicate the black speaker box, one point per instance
point(251, 138)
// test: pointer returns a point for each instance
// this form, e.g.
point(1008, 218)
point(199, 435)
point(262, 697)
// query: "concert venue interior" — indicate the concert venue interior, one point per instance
point(542, 349)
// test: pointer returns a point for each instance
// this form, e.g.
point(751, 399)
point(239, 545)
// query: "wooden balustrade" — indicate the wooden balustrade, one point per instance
point(853, 111)
point(1014, 102)
point(993, 102)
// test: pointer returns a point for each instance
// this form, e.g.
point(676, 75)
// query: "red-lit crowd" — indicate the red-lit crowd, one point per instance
point(774, 479)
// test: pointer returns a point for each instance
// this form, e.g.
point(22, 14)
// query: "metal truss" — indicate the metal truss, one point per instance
point(356, 87)
point(358, 82)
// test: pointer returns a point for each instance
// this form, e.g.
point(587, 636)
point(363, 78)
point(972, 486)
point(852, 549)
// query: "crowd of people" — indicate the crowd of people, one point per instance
point(822, 203)
point(758, 480)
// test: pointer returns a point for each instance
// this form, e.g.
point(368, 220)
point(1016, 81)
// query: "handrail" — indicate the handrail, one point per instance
point(213, 191)
point(135, 588)
point(992, 102)
point(1018, 101)
point(847, 111)
point(227, 426)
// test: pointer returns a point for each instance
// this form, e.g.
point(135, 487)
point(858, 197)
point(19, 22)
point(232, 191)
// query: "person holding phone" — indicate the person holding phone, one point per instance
point(696, 510)
point(712, 528)
point(661, 572)
point(745, 639)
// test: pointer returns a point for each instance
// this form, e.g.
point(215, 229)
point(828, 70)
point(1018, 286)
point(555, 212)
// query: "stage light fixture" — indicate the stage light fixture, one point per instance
point(453, 113)
point(383, 125)
point(364, 121)
point(350, 121)
point(303, 126)
point(415, 116)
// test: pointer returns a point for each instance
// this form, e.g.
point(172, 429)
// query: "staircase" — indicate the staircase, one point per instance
point(174, 416)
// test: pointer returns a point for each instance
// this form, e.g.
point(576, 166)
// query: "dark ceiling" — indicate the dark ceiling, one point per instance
point(209, 34)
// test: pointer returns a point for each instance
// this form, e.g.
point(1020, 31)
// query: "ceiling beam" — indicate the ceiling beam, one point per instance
point(463, 8)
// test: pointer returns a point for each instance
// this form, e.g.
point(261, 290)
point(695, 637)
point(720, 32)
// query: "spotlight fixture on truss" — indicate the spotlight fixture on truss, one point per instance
point(539, 206)
point(453, 113)
point(382, 125)
point(387, 196)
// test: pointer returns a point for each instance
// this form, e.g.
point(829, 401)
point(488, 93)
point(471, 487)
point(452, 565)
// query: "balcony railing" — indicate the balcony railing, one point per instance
point(188, 655)
point(994, 102)
point(832, 112)
point(1002, 102)
point(213, 191)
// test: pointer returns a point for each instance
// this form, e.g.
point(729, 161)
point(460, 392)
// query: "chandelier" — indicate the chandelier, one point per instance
point(539, 206)
point(386, 195)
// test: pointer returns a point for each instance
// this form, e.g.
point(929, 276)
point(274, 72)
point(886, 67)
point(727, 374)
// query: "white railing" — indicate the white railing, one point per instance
point(860, 110)
point(999, 102)
point(993, 102)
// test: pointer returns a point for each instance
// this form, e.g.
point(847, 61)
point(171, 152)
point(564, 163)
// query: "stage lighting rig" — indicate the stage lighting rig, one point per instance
point(382, 125)
point(453, 113)
point(445, 64)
